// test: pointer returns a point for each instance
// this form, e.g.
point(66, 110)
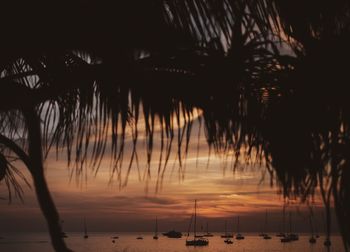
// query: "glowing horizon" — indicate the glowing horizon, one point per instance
point(222, 193)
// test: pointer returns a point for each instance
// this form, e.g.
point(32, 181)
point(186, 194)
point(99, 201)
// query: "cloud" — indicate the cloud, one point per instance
point(159, 200)
point(221, 193)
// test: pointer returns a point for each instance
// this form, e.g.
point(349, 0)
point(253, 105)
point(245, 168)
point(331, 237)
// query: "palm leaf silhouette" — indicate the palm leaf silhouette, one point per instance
point(217, 56)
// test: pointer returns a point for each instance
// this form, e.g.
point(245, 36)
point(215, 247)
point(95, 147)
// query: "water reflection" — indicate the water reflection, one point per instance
point(127, 242)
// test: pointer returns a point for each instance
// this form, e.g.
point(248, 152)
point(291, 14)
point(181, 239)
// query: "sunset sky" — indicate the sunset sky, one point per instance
point(221, 193)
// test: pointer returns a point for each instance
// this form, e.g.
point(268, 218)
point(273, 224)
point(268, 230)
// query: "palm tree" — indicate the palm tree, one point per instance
point(217, 56)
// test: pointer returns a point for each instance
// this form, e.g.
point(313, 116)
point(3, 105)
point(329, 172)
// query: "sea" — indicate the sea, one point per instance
point(127, 242)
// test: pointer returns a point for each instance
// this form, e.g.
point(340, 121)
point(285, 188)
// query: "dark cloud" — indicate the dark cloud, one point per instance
point(160, 200)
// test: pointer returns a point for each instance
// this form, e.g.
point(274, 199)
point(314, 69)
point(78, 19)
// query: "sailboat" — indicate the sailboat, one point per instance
point(317, 235)
point(239, 236)
point(315, 227)
point(85, 230)
point(200, 235)
point(327, 242)
point(312, 239)
point(265, 235)
point(291, 236)
point(196, 241)
point(262, 234)
point(114, 238)
point(226, 235)
point(207, 234)
point(155, 237)
point(63, 234)
point(282, 232)
point(228, 241)
point(287, 237)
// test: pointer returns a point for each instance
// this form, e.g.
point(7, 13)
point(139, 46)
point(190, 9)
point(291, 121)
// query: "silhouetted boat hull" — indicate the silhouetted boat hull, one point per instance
point(173, 234)
point(290, 238)
point(294, 237)
point(155, 237)
point(197, 242)
point(85, 230)
point(286, 239)
point(226, 236)
point(312, 240)
point(239, 237)
point(267, 237)
point(228, 241)
point(327, 243)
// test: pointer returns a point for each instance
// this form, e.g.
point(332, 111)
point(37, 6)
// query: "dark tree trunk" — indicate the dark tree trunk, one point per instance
point(36, 168)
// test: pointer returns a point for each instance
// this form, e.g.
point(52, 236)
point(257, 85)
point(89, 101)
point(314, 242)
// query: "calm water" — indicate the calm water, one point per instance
point(127, 243)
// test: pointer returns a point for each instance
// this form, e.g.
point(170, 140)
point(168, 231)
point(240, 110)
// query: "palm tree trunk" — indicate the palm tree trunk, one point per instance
point(48, 208)
point(36, 168)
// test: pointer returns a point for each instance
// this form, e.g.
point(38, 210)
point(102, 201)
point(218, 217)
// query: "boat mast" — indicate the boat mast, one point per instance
point(85, 229)
point(195, 217)
point(290, 222)
point(311, 225)
point(156, 230)
point(189, 226)
point(284, 219)
point(265, 222)
point(315, 225)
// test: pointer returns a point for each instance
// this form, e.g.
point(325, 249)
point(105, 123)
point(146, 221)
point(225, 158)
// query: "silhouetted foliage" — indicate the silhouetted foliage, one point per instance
point(268, 77)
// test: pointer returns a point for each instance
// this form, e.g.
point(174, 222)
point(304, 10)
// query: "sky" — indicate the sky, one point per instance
point(221, 192)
